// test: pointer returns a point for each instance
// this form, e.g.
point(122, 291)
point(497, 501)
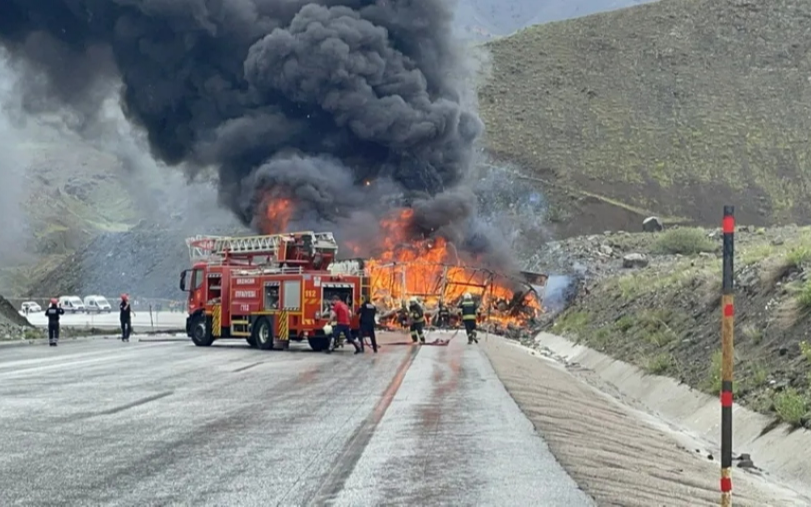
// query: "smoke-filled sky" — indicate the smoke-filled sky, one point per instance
point(12, 168)
point(300, 99)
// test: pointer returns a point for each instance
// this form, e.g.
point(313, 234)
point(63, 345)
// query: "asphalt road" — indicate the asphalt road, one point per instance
point(166, 423)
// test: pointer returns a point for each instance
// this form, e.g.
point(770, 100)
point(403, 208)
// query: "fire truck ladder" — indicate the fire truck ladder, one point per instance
point(217, 247)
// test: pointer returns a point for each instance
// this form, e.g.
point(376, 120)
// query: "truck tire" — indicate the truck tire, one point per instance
point(251, 341)
point(263, 334)
point(319, 343)
point(200, 331)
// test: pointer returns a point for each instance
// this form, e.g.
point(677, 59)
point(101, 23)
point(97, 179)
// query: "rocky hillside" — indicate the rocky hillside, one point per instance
point(145, 260)
point(14, 326)
point(668, 108)
point(654, 300)
point(56, 196)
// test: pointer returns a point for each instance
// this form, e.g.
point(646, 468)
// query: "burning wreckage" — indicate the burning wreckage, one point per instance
point(437, 274)
point(507, 305)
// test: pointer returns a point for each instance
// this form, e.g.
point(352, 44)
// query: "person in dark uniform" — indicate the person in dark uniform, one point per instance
point(402, 315)
point(53, 312)
point(367, 313)
point(443, 316)
point(125, 316)
point(416, 316)
point(469, 308)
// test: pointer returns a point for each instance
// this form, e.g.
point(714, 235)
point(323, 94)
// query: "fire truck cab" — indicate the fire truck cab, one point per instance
point(267, 290)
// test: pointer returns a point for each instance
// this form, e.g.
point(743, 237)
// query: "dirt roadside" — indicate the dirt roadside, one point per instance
point(616, 456)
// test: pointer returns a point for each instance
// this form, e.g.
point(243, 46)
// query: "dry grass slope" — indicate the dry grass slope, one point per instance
point(664, 318)
point(675, 107)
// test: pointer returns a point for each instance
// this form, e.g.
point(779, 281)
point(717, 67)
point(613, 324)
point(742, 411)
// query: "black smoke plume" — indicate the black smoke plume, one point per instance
point(339, 105)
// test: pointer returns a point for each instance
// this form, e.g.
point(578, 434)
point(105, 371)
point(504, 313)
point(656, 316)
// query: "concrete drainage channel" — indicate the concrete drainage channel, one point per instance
point(773, 452)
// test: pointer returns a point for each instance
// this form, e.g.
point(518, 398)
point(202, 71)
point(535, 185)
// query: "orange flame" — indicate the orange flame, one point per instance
point(278, 212)
point(434, 271)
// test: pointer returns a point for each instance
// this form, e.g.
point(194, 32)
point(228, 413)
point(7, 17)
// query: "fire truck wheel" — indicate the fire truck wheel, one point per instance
point(200, 334)
point(262, 334)
point(251, 341)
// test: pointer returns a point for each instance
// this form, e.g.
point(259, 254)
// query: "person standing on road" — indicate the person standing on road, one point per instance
point(402, 315)
point(416, 316)
point(469, 314)
point(342, 314)
point(443, 316)
point(367, 313)
point(53, 312)
point(125, 316)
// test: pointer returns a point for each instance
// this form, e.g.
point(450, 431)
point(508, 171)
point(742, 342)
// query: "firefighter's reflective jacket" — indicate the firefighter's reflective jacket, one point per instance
point(469, 309)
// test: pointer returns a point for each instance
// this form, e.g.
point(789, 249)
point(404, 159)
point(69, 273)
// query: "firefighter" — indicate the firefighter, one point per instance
point(53, 312)
point(125, 316)
point(367, 313)
point(469, 313)
point(443, 316)
point(416, 316)
point(341, 312)
point(402, 315)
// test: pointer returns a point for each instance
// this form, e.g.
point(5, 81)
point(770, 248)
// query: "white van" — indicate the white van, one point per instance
point(30, 307)
point(97, 304)
point(71, 304)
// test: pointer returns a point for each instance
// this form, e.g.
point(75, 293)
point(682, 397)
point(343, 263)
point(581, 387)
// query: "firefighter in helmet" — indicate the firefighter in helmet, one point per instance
point(443, 316)
point(416, 316)
point(469, 311)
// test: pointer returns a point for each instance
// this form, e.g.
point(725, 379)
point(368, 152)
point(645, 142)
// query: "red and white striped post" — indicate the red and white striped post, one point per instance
point(727, 354)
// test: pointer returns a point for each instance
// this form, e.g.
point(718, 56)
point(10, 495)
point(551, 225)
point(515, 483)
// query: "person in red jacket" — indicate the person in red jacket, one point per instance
point(342, 316)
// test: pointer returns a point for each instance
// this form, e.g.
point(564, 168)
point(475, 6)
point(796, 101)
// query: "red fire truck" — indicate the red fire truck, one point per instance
point(267, 289)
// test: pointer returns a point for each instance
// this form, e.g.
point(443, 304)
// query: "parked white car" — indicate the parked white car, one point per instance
point(97, 304)
point(30, 307)
point(71, 304)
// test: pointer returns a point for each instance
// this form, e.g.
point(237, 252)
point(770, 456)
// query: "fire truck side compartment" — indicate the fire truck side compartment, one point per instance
point(292, 295)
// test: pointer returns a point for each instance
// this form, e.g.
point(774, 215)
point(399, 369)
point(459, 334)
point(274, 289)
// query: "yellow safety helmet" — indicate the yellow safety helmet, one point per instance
point(327, 329)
